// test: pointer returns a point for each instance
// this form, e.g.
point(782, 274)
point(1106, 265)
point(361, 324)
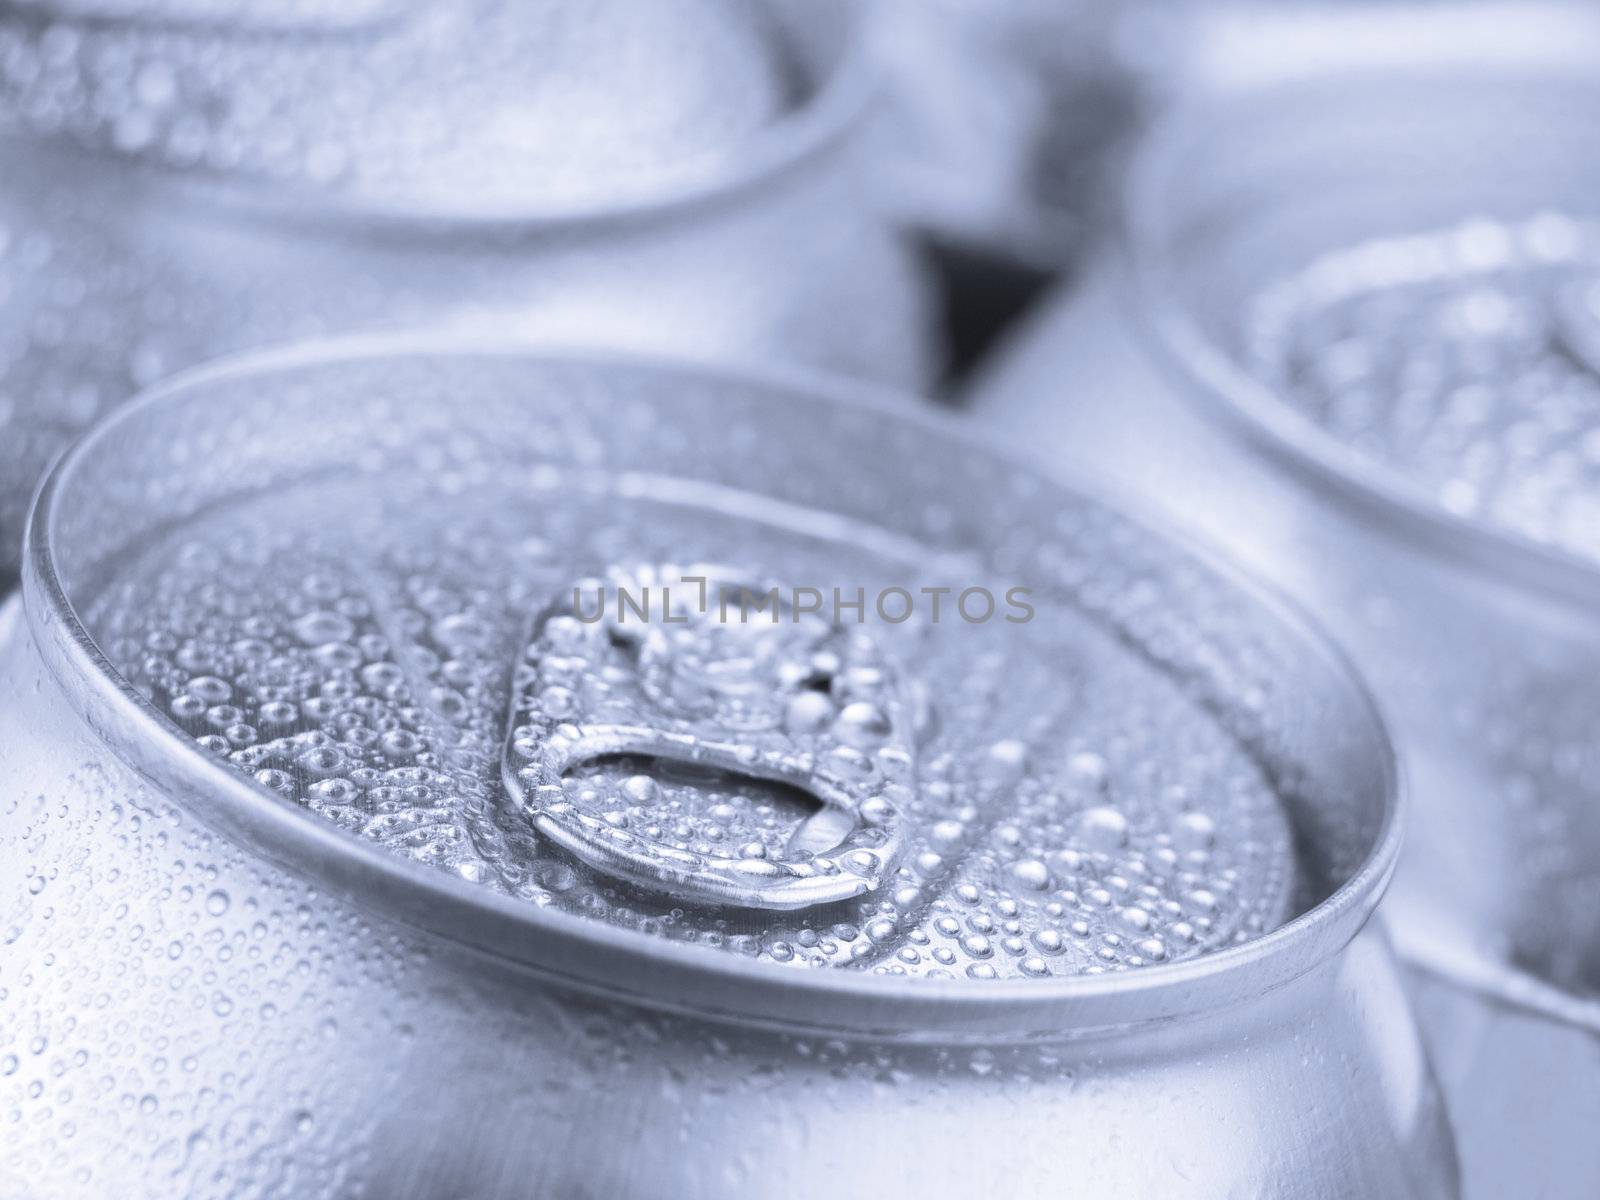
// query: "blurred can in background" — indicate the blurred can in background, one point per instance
point(1373, 291)
point(1009, 119)
point(189, 177)
point(345, 852)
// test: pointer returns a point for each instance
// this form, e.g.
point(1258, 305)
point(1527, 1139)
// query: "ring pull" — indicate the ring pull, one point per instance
point(674, 664)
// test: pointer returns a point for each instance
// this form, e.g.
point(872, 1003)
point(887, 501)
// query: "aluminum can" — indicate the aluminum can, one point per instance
point(1367, 292)
point(170, 194)
point(1083, 900)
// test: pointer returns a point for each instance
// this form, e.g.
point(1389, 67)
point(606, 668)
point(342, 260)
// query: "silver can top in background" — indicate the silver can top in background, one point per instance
point(679, 177)
point(463, 103)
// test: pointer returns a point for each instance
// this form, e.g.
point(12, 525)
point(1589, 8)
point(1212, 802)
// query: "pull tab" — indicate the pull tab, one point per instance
point(697, 667)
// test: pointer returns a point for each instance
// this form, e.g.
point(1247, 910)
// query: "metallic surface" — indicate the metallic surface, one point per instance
point(1483, 647)
point(730, 714)
point(210, 992)
point(114, 274)
point(1523, 1091)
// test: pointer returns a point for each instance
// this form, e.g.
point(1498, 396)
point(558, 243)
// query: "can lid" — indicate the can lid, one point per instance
point(388, 625)
point(1483, 335)
point(432, 109)
point(1404, 158)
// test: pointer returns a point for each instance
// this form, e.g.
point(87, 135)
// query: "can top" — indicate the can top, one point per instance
point(466, 108)
point(1465, 357)
point(536, 640)
point(1391, 285)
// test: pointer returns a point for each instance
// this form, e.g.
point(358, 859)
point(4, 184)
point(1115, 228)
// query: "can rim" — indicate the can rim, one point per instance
point(823, 115)
point(1221, 390)
point(661, 974)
